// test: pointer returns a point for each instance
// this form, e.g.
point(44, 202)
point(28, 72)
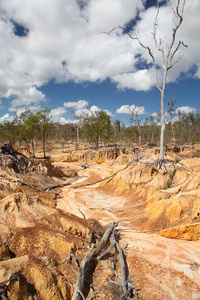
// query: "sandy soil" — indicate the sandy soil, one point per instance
point(161, 268)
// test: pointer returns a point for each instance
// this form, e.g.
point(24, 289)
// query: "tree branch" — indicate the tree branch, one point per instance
point(92, 255)
point(88, 184)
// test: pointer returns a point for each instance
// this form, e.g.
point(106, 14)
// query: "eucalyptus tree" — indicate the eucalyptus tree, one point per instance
point(167, 51)
point(135, 119)
point(97, 126)
point(171, 113)
point(29, 127)
point(45, 125)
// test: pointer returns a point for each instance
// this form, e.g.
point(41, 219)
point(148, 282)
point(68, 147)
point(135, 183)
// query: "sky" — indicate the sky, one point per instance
point(58, 54)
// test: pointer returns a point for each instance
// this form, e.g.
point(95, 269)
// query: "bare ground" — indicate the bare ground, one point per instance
point(47, 232)
point(161, 268)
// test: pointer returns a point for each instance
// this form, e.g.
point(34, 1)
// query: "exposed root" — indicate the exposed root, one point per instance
point(163, 165)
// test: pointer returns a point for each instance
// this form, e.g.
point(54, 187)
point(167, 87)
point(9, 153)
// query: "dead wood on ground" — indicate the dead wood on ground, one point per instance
point(156, 165)
point(89, 263)
point(98, 181)
point(41, 190)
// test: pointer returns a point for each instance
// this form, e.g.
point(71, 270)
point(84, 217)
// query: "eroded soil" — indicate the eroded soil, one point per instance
point(47, 218)
point(161, 268)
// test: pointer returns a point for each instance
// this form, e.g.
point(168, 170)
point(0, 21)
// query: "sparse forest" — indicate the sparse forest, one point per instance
point(30, 129)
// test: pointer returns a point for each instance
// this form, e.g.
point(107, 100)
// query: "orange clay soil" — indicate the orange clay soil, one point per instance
point(44, 234)
point(161, 268)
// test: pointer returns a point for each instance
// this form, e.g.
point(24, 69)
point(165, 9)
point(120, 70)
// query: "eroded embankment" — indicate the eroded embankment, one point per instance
point(169, 201)
point(45, 233)
point(138, 195)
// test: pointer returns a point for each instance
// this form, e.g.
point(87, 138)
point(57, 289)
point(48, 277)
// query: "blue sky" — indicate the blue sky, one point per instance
point(55, 55)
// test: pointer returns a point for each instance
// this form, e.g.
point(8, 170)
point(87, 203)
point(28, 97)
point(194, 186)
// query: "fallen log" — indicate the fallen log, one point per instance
point(41, 190)
point(92, 255)
point(82, 282)
point(98, 181)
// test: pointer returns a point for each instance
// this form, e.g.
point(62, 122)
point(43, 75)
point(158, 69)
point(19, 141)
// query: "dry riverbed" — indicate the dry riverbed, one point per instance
point(161, 268)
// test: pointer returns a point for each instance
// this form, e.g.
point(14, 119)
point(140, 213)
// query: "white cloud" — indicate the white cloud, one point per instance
point(109, 113)
point(57, 115)
point(141, 80)
point(81, 104)
point(155, 114)
point(185, 110)
point(85, 112)
point(6, 118)
point(65, 42)
point(19, 111)
point(128, 109)
point(27, 97)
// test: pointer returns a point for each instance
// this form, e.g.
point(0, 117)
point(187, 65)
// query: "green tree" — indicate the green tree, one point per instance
point(97, 127)
point(45, 125)
point(10, 131)
point(29, 127)
point(116, 128)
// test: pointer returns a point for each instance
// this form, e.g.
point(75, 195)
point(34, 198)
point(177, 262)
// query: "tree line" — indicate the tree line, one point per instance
point(97, 129)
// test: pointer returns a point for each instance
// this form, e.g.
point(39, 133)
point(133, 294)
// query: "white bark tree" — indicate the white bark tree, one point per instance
point(135, 119)
point(168, 56)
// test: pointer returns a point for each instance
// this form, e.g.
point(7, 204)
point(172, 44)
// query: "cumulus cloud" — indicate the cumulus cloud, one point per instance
point(6, 118)
point(26, 98)
point(89, 112)
point(109, 113)
point(81, 104)
point(20, 110)
point(129, 109)
point(64, 42)
point(57, 115)
point(185, 110)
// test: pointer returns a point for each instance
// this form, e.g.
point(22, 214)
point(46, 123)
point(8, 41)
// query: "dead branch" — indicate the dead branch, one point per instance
point(16, 275)
point(37, 189)
point(93, 256)
point(82, 213)
point(55, 187)
point(88, 184)
point(76, 289)
point(123, 267)
point(86, 262)
point(158, 164)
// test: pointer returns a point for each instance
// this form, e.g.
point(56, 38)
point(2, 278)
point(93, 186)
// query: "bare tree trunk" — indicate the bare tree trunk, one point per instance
point(33, 148)
point(139, 131)
point(77, 133)
point(44, 137)
point(162, 134)
point(168, 55)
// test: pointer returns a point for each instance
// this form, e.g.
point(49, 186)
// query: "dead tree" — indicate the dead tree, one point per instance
point(167, 53)
point(89, 263)
point(135, 111)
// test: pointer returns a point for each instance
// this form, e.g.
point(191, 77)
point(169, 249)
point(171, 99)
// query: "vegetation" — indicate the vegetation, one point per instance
point(98, 130)
point(97, 127)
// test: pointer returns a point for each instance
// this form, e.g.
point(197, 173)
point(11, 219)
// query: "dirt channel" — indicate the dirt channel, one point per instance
point(160, 268)
point(49, 213)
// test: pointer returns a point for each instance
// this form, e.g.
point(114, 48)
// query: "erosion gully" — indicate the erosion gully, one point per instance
point(163, 268)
